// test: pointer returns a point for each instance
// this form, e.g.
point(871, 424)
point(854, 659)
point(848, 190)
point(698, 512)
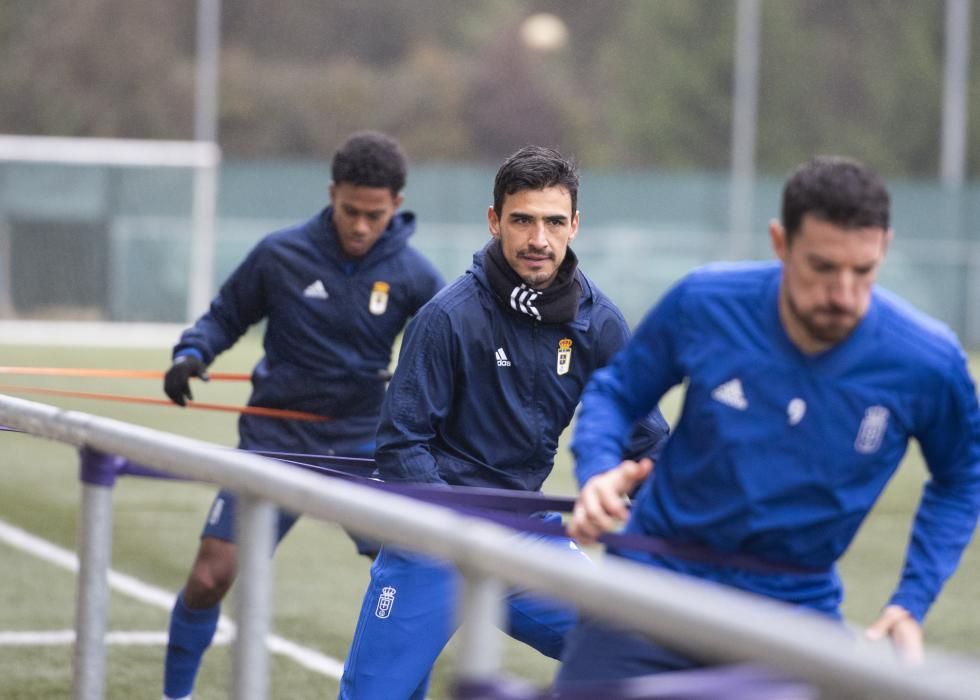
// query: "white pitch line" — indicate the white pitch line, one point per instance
point(55, 638)
point(160, 598)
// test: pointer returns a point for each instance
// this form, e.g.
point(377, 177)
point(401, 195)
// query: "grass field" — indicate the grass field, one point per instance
point(319, 578)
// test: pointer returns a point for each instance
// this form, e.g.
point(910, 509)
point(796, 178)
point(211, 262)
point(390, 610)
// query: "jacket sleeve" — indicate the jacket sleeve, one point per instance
point(418, 399)
point(947, 513)
point(626, 390)
point(648, 437)
point(241, 302)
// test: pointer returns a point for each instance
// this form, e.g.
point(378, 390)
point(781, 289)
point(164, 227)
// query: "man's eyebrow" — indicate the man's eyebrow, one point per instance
point(815, 257)
point(351, 207)
point(818, 259)
point(524, 214)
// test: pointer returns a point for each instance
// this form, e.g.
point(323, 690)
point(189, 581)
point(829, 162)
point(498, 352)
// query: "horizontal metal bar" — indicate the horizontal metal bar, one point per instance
point(689, 615)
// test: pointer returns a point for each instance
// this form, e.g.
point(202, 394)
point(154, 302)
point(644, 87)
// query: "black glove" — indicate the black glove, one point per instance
point(176, 382)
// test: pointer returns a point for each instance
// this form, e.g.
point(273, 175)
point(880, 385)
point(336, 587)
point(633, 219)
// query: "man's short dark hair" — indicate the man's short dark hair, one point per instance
point(370, 159)
point(841, 191)
point(535, 168)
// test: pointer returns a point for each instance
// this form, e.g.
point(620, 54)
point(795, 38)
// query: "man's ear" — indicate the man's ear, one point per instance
point(493, 222)
point(331, 190)
point(777, 236)
point(571, 236)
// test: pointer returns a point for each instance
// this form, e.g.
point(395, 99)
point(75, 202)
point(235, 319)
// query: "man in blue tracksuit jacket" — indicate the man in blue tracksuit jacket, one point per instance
point(335, 291)
point(489, 375)
point(805, 384)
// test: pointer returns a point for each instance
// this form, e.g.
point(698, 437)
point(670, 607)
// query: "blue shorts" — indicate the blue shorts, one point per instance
point(220, 523)
point(409, 613)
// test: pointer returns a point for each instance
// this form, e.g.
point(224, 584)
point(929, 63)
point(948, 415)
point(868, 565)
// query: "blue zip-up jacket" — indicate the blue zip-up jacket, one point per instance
point(331, 325)
point(481, 393)
point(780, 454)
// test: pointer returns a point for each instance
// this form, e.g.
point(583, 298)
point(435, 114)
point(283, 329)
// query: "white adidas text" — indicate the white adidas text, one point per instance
point(501, 356)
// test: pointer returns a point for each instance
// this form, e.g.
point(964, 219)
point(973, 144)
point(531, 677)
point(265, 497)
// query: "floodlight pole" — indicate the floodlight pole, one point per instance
point(952, 166)
point(205, 192)
point(953, 153)
point(206, 77)
point(745, 97)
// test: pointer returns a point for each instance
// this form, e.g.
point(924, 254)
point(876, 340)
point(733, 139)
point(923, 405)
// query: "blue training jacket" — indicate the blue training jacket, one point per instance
point(480, 395)
point(781, 455)
point(331, 325)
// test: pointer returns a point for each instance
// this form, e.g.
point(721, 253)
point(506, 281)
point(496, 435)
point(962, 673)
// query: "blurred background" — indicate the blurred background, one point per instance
point(684, 115)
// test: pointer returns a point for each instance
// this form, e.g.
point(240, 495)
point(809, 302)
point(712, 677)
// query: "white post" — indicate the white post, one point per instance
point(256, 538)
point(6, 283)
point(204, 215)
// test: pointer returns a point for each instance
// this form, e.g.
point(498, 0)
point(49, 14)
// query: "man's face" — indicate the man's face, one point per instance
point(361, 215)
point(828, 275)
point(535, 228)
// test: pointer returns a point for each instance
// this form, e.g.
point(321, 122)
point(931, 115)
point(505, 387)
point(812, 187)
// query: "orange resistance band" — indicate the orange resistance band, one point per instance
point(251, 410)
point(115, 373)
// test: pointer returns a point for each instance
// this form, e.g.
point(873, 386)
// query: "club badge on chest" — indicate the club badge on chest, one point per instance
point(379, 298)
point(564, 355)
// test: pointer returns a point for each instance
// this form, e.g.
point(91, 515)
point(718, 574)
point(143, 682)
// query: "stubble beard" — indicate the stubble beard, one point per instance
point(535, 279)
point(831, 333)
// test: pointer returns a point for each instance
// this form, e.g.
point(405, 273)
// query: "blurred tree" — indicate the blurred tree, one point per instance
point(509, 103)
point(863, 79)
point(638, 84)
point(377, 32)
point(97, 68)
point(664, 84)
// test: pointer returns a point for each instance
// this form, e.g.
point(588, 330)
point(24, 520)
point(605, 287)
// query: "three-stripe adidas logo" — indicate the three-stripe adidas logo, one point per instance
point(501, 356)
point(730, 393)
point(316, 291)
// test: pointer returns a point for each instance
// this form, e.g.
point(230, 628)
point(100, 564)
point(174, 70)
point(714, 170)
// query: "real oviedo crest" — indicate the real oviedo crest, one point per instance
point(564, 355)
point(379, 298)
point(385, 602)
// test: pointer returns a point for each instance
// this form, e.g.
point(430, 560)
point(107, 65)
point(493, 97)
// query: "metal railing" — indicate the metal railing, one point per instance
point(687, 615)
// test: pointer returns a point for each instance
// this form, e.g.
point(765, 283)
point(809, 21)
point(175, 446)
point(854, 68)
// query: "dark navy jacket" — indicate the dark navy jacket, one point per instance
point(331, 326)
point(477, 398)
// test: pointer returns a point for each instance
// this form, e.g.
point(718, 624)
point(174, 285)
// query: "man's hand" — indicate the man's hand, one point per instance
point(905, 632)
point(176, 382)
point(601, 505)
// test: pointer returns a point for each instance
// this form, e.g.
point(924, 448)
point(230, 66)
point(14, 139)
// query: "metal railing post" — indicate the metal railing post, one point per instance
point(98, 475)
point(481, 612)
point(256, 519)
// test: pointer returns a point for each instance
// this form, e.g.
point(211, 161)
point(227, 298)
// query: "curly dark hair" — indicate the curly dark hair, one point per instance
point(370, 159)
point(535, 168)
point(842, 191)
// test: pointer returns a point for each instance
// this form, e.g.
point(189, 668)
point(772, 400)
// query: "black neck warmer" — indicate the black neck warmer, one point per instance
point(557, 303)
